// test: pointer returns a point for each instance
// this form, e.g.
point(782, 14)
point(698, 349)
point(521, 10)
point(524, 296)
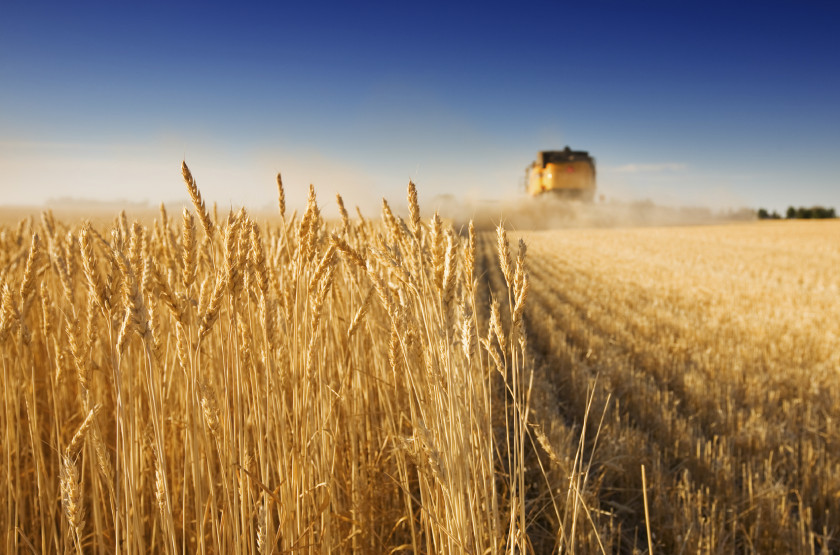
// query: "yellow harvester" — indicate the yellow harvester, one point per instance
point(569, 173)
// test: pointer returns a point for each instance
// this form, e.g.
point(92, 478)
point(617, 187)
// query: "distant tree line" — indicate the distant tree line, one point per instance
point(801, 213)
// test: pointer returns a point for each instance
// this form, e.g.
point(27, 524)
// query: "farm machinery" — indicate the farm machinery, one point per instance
point(566, 173)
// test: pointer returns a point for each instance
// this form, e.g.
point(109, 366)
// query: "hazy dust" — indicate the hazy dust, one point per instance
point(551, 212)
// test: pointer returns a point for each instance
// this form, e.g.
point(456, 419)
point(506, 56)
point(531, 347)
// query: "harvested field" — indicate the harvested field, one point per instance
point(710, 357)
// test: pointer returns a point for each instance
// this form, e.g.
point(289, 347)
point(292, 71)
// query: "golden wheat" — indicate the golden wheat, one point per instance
point(383, 386)
point(262, 391)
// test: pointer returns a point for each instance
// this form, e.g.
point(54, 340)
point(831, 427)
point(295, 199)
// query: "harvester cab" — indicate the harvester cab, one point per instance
point(567, 173)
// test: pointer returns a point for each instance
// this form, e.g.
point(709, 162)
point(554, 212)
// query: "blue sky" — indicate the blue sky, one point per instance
point(716, 104)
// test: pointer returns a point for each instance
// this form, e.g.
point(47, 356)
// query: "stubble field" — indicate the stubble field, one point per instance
point(709, 356)
point(218, 384)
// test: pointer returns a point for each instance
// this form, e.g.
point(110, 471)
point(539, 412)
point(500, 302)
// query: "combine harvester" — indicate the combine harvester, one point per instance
point(567, 173)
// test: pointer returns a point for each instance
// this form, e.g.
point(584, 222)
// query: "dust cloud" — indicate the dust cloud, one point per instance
point(552, 212)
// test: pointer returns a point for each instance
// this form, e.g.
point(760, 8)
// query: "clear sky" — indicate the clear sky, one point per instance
point(702, 103)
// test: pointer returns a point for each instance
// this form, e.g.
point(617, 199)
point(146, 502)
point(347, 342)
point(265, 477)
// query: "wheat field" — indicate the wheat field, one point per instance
point(217, 384)
point(207, 385)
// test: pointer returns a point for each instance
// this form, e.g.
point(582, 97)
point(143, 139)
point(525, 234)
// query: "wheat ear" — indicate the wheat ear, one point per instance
point(197, 201)
point(281, 196)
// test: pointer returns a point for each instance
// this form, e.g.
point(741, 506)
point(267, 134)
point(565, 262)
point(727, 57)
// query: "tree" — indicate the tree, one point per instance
point(805, 213)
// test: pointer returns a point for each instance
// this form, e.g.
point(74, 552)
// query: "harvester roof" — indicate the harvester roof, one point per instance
point(563, 156)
